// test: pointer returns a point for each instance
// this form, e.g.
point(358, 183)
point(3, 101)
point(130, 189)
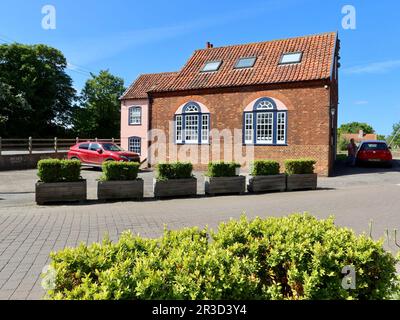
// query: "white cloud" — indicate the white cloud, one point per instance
point(373, 68)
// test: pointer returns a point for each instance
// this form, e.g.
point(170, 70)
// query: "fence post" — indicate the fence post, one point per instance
point(55, 145)
point(113, 140)
point(96, 139)
point(30, 145)
point(0, 146)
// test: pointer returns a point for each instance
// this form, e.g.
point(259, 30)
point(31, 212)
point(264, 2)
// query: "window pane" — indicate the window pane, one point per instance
point(134, 145)
point(248, 127)
point(293, 57)
point(281, 128)
point(264, 105)
point(245, 62)
point(192, 128)
point(191, 108)
point(178, 129)
point(211, 66)
point(135, 115)
point(264, 127)
point(84, 146)
point(204, 128)
point(94, 146)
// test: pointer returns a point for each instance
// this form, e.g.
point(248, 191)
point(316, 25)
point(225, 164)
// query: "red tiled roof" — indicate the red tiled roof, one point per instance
point(145, 82)
point(318, 53)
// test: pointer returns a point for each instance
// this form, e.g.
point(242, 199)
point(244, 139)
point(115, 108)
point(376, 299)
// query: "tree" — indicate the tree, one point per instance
point(355, 127)
point(394, 138)
point(36, 95)
point(98, 114)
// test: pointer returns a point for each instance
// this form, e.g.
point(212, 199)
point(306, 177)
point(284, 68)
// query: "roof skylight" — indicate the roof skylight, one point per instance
point(245, 62)
point(291, 57)
point(211, 66)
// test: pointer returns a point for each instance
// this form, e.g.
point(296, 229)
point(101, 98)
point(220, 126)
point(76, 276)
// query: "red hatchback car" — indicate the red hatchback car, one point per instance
point(95, 153)
point(374, 151)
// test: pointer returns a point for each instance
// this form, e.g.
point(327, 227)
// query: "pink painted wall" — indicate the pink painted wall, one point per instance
point(134, 130)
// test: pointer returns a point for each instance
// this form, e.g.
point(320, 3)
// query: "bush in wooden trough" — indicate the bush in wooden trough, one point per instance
point(300, 174)
point(174, 180)
point(59, 181)
point(265, 177)
point(120, 181)
point(224, 178)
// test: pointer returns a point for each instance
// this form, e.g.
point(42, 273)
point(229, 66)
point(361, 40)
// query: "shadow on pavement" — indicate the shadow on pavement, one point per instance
point(342, 169)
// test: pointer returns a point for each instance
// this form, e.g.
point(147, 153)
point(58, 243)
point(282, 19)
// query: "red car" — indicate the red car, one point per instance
point(374, 151)
point(95, 153)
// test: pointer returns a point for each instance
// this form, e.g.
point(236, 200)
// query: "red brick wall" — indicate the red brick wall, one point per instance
point(308, 132)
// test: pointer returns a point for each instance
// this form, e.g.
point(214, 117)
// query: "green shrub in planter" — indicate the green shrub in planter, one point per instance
point(56, 170)
point(295, 257)
point(174, 170)
point(70, 170)
point(117, 171)
point(222, 169)
point(299, 166)
point(49, 170)
point(264, 168)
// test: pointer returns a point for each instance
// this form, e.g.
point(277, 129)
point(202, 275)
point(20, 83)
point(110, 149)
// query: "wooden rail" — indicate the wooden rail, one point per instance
point(53, 144)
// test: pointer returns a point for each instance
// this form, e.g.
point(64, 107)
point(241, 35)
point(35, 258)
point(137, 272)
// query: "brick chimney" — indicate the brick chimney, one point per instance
point(209, 45)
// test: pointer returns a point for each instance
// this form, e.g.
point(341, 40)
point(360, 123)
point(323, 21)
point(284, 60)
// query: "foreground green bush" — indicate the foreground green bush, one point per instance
point(222, 169)
point(55, 170)
point(117, 171)
point(264, 168)
point(174, 170)
point(299, 166)
point(297, 257)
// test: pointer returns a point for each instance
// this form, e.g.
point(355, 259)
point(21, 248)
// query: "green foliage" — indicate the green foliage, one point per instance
point(174, 170)
point(264, 168)
point(113, 170)
point(342, 143)
point(355, 127)
point(99, 111)
point(222, 169)
point(299, 166)
point(55, 170)
point(295, 257)
point(36, 94)
point(394, 138)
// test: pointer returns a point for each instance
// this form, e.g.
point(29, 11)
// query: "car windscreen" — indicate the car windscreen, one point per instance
point(374, 146)
point(111, 147)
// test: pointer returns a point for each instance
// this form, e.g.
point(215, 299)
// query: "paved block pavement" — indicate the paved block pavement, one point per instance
point(28, 233)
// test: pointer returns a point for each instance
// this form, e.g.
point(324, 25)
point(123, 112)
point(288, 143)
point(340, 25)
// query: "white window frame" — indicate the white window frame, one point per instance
point(205, 128)
point(179, 128)
point(265, 127)
point(283, 129)
point(248, 128)
point(131, 143)
point(191, 130)
point(135, 119)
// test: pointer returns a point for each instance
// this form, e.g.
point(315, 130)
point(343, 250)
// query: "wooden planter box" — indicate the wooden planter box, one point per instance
point(60, 192)
point(301, 181)
point(120, 190)
point(225, 185)
point(175, 188)
point(267, 183)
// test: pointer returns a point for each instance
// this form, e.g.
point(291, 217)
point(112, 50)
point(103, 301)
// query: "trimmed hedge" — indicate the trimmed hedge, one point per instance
point(174, 170)
point(295, 257)
point(55, 170)
point(299, 166)
point(264, 168)
point(222, 169)
point(117, 171)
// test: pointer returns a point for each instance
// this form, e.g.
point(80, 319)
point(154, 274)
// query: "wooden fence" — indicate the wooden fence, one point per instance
point(55, 144)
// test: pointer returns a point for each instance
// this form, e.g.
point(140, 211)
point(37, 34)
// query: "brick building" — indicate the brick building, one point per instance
point(274, 100)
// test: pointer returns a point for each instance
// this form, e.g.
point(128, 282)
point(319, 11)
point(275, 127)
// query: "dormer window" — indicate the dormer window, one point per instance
point(291, 57)
point(211, 66)
point(245, 63)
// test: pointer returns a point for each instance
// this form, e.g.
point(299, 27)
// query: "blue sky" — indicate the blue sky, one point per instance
point(134, 37)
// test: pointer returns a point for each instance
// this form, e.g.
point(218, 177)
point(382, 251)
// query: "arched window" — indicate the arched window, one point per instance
point(135, 116)
point(192, 124)
point(265, 124)
point(135, 145)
